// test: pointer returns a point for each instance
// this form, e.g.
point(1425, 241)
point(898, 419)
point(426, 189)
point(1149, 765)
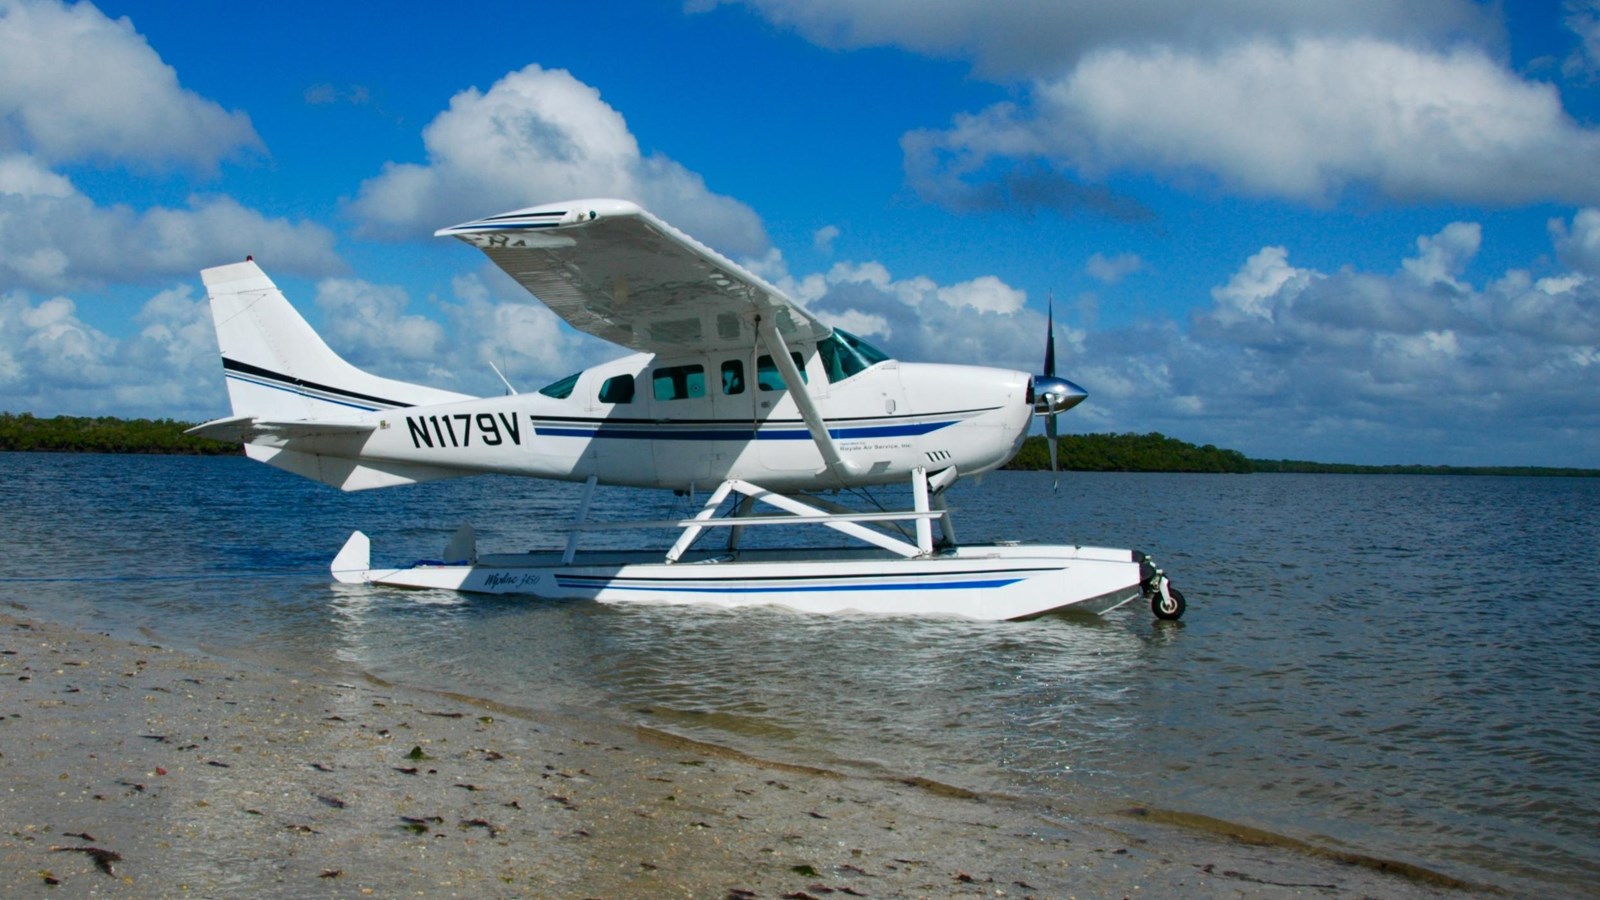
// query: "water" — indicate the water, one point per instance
point(1406, 667)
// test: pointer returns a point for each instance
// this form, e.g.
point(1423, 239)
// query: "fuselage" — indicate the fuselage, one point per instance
point(679, 423)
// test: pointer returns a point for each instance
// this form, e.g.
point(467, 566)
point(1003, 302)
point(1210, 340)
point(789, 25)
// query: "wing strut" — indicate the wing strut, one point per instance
point(773, 339)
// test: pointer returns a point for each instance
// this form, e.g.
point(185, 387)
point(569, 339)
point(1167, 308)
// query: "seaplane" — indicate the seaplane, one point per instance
point(733, 391)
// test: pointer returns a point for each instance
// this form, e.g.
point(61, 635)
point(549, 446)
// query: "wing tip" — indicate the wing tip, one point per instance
point(549, 215)
point(217, 276)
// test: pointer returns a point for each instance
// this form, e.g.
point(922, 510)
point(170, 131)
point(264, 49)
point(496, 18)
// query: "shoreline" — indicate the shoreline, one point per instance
point(132, 769)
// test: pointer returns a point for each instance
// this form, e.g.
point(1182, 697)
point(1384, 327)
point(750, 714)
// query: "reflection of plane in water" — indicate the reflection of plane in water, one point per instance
point(733, 385)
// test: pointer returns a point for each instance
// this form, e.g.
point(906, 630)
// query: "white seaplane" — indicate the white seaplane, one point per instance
point(733, 384)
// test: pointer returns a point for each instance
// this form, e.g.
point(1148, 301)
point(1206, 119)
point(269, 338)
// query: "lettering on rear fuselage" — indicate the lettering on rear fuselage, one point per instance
point(460, 429)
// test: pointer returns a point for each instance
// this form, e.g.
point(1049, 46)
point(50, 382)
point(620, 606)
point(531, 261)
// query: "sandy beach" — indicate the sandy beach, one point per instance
point(133, 769)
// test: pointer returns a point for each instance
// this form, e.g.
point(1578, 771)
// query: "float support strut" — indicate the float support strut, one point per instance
point(583, 514)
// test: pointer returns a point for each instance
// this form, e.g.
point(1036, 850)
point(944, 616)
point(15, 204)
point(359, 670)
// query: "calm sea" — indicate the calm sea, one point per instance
point(1406, 667)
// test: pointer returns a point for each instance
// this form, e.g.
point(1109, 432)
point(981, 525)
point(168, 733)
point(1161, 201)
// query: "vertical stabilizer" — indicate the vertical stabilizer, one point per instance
point(278, 368)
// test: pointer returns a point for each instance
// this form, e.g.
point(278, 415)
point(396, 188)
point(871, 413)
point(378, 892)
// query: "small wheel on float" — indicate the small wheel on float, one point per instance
point(1167, 604)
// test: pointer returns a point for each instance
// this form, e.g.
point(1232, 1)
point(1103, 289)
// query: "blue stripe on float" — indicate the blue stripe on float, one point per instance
point(666, 588)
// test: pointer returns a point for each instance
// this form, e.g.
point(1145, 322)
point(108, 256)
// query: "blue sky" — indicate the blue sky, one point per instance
point(1354, 230)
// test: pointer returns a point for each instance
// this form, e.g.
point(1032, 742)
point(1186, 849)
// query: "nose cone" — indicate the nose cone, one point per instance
point(1055, 395)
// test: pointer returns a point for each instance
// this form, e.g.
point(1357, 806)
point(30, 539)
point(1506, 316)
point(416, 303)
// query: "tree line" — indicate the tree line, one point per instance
point(1293, 465)
point(103, 434)
point(1156, 452)
point(1151, 452)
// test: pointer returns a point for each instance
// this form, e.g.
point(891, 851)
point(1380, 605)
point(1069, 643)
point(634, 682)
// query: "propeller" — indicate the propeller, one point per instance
point(1053, 396)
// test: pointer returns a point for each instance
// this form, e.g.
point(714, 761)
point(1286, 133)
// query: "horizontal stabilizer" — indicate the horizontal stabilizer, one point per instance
point(244, 429)
point(345, 473)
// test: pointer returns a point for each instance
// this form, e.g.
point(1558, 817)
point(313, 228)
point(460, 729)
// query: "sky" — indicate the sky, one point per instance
point(1340, 230)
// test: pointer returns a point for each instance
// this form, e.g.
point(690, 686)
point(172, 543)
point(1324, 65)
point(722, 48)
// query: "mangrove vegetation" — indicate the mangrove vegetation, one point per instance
point(103, 434)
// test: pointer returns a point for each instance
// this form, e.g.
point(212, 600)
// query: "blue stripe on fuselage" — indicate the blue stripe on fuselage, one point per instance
point(733, 433)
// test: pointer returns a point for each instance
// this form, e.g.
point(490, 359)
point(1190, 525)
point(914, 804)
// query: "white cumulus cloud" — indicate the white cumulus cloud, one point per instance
point(1112, 269)
point(496, 322)
point(52, 362)
point(58, 239)
point(369, 323)
point(76, 85)
point(981, 320)
point(1025, 39)
point(1578, 246)
point(824, 237)
point(487, 322)
point(541, 136)
point(1302, 119)
point(1583, 18)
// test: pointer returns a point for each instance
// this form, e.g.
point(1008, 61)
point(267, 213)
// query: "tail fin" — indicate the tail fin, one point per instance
point(278, 368)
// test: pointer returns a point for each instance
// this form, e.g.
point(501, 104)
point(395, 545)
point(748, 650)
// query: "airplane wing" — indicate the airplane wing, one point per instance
point(614, 270)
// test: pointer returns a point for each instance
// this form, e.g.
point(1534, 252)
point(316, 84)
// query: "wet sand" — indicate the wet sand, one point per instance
point(129, 769)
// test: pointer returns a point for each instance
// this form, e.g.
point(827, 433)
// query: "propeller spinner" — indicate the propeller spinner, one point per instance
point(1053, 396)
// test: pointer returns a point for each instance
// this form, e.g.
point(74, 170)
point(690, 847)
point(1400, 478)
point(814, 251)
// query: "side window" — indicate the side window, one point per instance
point(617, 389)
point(768, 378)
point(678, 382)
point(733, 377)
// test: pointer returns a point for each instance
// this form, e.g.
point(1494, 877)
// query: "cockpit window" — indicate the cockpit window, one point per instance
point(843, 354)
point(562, 389)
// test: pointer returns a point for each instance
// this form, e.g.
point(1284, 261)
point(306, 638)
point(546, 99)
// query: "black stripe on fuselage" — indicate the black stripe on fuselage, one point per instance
point(300, 385)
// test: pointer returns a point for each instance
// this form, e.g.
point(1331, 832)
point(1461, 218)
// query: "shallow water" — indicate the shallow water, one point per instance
point(1399, 666)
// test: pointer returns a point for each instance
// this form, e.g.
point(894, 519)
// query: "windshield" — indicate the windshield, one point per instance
point(843, 355)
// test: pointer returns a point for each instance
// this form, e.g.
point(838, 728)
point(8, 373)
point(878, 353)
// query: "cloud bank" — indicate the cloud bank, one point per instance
point(1287, 361)
point(1368, 367)
point(1298, 101)
point(52, 361)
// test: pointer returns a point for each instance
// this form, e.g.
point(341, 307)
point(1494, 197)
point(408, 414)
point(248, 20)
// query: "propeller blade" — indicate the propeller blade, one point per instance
point(1050, 339)
point(1053, 396)
point(1051, 437)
